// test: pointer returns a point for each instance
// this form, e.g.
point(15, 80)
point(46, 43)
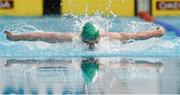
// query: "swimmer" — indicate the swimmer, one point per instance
point(90, 35)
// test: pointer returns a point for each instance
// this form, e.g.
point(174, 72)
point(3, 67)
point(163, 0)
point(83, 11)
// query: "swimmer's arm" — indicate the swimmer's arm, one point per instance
point(124, 36)
point(41, 36)
point(149, 34)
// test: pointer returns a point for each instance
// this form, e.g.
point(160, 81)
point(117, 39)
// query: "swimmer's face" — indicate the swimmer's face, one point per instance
point(92, 41)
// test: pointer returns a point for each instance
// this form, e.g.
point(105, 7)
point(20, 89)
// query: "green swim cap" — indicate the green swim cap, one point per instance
point(89, 32)
point(89, 70)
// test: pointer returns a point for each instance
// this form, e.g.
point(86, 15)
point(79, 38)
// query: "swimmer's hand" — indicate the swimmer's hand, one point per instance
point(161, 30)
point(9, 35)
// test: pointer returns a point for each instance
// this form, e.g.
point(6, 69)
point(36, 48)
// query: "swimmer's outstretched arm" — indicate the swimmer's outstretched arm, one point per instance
point(51, 37)
point(124, 36)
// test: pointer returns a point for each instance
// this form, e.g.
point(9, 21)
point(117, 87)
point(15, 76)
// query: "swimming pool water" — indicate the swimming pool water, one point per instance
point(166, 46)
point(114, 75)
point(142, 67)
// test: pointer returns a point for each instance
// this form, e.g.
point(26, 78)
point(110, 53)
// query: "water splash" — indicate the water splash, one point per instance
point(152, 47)
point(103, 24)
point(21, 27)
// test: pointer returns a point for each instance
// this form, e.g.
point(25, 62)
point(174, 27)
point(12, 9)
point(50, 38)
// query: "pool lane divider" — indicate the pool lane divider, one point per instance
point(169, 27)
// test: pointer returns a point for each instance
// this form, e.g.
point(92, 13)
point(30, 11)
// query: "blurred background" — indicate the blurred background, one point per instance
point(88, 7)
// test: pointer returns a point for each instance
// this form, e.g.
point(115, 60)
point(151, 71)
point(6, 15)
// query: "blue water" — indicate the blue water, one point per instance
point(142, 67)
point(166, 46)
